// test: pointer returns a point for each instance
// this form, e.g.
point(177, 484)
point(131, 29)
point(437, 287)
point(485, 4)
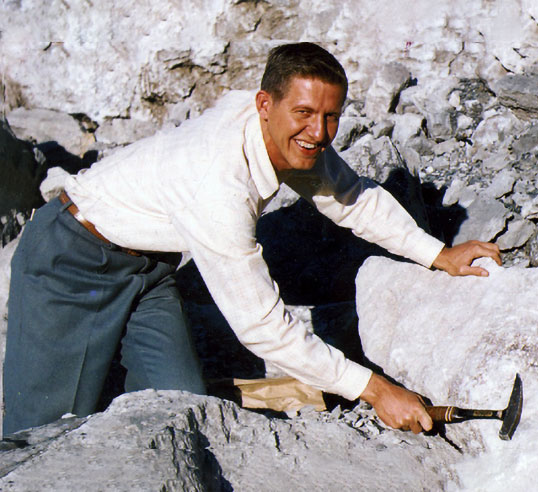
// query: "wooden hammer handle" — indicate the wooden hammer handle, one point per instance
point(449, 415)
point(441, 414)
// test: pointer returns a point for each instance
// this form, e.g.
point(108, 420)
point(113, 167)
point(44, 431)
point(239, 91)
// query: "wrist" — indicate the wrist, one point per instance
point(373, 388)
point(440, 262)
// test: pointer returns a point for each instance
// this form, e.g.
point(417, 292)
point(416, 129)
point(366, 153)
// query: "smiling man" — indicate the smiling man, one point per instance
point(298, 127)
point(95, 261)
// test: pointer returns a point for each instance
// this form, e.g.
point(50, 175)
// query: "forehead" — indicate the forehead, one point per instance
point(310, 90)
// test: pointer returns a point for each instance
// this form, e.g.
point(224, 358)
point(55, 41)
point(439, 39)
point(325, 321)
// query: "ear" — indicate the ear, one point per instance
point(264, 102)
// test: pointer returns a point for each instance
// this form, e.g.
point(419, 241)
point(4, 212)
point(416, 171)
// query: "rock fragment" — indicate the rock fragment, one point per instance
point(520, 94)
point(518, 233)
point(44, 125)
point(502, 184)
point(382, 96)
point(486, 218)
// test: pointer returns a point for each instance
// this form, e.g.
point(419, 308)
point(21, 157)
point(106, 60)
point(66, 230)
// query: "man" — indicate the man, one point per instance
point(89, 270)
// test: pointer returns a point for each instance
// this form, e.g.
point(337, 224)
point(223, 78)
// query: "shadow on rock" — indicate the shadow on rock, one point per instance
point(58, 156)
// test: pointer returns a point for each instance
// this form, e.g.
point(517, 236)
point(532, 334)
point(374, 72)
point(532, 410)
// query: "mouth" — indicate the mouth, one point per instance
point(308, 147)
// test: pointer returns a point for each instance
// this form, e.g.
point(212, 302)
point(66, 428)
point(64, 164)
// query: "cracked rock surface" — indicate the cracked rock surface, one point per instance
point(175, 441)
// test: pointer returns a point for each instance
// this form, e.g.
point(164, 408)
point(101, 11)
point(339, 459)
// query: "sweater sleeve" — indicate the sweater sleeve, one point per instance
point(365, 207)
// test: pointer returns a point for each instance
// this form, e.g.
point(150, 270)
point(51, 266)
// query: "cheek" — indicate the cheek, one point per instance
point(332, 129)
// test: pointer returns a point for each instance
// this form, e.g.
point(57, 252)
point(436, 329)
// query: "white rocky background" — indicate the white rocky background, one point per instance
point(446, 90)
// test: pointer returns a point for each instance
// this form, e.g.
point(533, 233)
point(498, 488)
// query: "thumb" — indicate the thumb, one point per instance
point(425, 421)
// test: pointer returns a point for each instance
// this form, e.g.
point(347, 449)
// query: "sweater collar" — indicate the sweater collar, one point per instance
point(261, 169)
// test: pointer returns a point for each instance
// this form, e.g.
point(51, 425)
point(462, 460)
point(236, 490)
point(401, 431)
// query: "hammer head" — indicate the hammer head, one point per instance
point(512, 413)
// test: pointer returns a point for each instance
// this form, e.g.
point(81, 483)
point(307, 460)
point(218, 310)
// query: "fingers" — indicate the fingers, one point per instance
point(457, 260)
point(396, 406)
point(417, 421)
point(487, 250)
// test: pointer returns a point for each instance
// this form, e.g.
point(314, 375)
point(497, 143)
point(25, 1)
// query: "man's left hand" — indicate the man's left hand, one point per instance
point(457, 260)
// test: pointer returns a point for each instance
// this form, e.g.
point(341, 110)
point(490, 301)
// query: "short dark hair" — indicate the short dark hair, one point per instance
point(307, 60)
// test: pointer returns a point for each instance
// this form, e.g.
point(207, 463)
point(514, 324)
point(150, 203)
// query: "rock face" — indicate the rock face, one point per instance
point(447, 93)
point(82, 57)
point(460, 341)
point(174, 441)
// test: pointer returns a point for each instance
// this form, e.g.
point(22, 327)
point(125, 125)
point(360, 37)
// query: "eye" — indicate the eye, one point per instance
point(303, 112)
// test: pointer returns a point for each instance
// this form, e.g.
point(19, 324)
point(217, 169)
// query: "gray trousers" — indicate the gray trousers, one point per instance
point(72, 299)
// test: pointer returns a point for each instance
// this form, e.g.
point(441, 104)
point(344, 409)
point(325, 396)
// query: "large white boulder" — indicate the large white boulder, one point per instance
point(460, 341)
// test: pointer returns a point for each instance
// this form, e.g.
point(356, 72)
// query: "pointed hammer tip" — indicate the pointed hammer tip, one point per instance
point(512, 414)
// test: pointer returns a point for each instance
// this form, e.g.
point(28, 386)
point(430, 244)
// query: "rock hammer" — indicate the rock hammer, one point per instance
point(510, 415)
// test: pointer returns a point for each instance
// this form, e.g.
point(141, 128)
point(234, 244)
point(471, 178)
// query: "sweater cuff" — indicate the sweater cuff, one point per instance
point(426, 250)
point(353, 382)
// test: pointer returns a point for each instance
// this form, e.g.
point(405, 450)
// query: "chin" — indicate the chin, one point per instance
point(305, 166)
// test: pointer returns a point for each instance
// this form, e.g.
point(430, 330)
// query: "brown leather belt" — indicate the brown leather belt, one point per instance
point(74, 211)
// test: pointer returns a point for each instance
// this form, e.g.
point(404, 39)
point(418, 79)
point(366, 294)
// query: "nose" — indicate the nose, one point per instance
point(318, 128)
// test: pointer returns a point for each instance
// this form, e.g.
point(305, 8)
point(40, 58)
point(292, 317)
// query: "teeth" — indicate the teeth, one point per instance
point(306, 145)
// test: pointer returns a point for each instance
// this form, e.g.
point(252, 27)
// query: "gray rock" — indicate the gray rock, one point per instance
point(441, 162)
point(527, 204)
point(123, 131)
point(527, 142)
point(170, 440)
point(497, 161)
point(408, 96)
point(495, 132)
point(446, 147)
point(44, 125)
point(382, 96)
point(463, 123)
point(183, 46)
point(460, 341)
point(374, 158)
point(531, 248)
point(502, 184)
point(518, 233)
point(439, 124)
point(485, 219)
point(413, 160)
point(383, 129)
point(466, 196)
point(349, 130)
point(519, 93)
point(432, 103)
point(406, 126)
point(453, 192)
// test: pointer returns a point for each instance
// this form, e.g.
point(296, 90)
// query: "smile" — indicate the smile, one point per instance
point(306, 145)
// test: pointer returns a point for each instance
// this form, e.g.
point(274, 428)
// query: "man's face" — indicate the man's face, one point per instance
point(302, 124)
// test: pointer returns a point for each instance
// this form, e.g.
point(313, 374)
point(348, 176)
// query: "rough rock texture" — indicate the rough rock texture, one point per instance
point(460, 341)
point(174, 441)
point(519, 92)
point(43, 125)
point(82, 57)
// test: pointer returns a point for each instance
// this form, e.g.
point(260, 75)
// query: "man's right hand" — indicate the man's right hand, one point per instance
point(396, 406)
